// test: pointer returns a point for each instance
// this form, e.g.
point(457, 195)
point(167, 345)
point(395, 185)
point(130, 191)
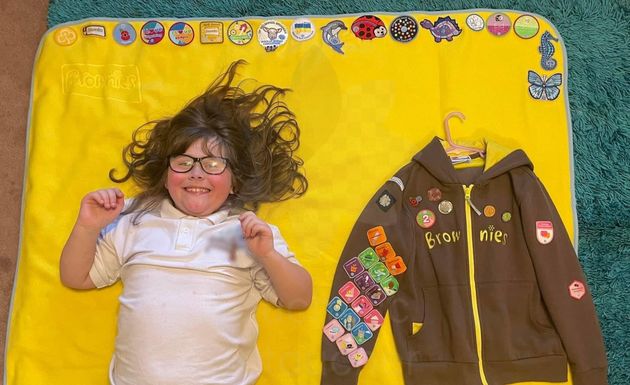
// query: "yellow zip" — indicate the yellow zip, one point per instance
point(471, 277)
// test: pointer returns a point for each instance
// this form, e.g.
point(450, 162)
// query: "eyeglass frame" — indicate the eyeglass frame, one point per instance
point(226, 161)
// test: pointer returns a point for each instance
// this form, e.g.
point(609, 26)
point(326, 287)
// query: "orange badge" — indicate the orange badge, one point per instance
point(385, 252)
point(376, 235)
point(396, 266)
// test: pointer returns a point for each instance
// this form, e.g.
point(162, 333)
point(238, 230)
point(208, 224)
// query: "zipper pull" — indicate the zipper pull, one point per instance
point(467, 190)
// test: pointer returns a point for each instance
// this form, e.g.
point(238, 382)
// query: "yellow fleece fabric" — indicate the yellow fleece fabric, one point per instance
point(363, 114)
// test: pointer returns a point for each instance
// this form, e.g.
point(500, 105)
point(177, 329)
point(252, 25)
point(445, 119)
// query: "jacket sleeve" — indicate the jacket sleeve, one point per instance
point(366, 281)
point(562, 282)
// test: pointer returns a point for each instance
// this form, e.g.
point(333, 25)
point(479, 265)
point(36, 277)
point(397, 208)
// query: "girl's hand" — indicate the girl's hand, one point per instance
point(99, 208)
point(257, 234)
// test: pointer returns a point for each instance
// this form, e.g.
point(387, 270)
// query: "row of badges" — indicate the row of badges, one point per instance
point(355, 317)
point(272, 33)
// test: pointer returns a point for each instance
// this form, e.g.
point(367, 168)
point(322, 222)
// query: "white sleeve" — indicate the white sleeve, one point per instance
point(105, 270)
point(260, 276)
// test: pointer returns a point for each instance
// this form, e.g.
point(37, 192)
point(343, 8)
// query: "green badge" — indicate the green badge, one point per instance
point(368, 257)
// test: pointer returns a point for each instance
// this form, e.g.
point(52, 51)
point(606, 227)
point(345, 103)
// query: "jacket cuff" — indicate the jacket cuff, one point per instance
point(335, 373)
point(597, 376)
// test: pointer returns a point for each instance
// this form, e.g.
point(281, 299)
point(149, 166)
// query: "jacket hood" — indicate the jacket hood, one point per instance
point(498, 160)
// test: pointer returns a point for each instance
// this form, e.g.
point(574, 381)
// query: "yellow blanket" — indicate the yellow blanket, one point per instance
point(365, 106)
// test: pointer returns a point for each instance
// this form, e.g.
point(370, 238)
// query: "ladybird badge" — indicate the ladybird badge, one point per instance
point(368, 27)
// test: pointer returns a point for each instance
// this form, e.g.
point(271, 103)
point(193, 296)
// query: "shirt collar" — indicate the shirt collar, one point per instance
point(167, 210)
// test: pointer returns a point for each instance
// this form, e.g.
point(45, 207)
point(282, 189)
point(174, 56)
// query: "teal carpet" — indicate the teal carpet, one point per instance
point(597, 38)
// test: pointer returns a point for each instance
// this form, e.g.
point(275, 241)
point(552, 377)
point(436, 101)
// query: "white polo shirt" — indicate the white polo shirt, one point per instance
point(191, 288)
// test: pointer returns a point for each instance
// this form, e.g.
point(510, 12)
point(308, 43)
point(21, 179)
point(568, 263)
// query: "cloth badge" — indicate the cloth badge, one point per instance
point(396, 266)
point(211, 32)
point(272, 34)
point(336, 307)
point(404, 29)
point(398, 181)
point(434, 194)
point(349, 292)
point(544, 231)
point(577, 289)
point(499, 24)
point(390, 285)
point(378, 272)
point(444, 28)
point(506, 216)
point(240, 32)
point(333, 330)
point(94, 30)
point(368, 27)
point(353, 267)
point(346, 344)
point(362, 333)
point(368, 257)
point(374, 319)
point(385, 252)
point(349, 319)
point(376, 295)
point(425, 219)
point(543, 88)
point(302, 29)
point(65, 36)
point(181, 33)
point(376, 235)
point(152, 32)
point(358, 357)
point(330, 34)
point(526, 26)
point(385, 201)
point(362, 306)
point(124, 34)
point(475, 22)
point(547, 50)
point(364, 281)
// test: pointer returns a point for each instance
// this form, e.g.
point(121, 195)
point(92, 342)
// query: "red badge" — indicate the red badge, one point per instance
point(544, 231)
point(577, 289)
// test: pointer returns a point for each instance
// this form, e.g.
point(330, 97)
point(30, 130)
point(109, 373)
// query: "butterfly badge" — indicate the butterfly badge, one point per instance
point(543, 88)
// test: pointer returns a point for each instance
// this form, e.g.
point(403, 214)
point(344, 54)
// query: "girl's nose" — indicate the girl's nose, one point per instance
point(196, 172)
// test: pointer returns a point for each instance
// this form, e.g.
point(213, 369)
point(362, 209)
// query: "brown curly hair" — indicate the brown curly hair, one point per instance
point(256, 131)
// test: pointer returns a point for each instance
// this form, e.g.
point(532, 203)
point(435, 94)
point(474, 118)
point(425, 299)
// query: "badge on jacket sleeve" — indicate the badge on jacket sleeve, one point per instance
point(577, 289)
point(544, 231)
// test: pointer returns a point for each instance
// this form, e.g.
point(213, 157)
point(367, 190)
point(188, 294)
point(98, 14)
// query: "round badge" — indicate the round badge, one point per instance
point(302, 29)
point(445, 207)
point(489, 211)
point(181, 33)
point(124, 34)
point(499, 24)
point(475, 22)
point(65, 36)
point(506, 216)
point(240, 32)
point(152, 32)
point(425, 219)
point(526, 26)
point(404, 29)
point(434, 194)
point(272, 34)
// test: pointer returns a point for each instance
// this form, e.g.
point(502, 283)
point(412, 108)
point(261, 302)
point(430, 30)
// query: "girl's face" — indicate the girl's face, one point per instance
point(195, 192)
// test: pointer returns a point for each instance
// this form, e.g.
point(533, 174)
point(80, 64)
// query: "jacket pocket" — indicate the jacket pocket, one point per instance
point(514, 324)
point(443, 334)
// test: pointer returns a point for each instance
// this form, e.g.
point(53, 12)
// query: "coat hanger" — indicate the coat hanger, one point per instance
point(454, 146)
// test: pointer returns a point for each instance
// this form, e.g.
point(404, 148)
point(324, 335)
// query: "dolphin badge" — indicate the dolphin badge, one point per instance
point(330, 34)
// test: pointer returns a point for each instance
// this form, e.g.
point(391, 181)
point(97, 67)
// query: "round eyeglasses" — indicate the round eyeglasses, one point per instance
point(212, 165)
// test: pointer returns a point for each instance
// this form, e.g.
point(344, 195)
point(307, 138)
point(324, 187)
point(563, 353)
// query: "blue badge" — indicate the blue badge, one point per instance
point(362, 333)
point(124, 34)
point(547, 50)
point(349, 319)
point(330, 34)
point(336, 307)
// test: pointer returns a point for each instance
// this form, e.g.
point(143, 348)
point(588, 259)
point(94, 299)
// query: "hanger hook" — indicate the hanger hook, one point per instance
point(447, 129)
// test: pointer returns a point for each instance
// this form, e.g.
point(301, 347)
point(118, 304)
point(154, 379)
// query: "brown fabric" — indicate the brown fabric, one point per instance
point(528, 296)
point(22, 24)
